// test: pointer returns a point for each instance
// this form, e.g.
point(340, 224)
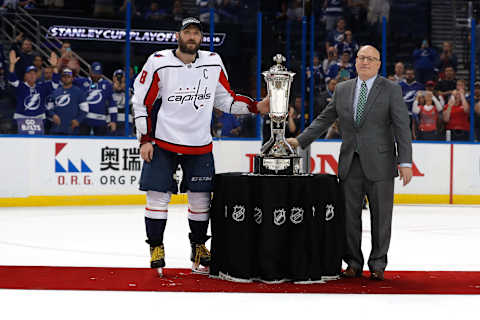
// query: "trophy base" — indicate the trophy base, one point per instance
point(277, 165)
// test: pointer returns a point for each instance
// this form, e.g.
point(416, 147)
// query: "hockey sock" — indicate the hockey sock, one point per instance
point(198, 231)
point(155, 229)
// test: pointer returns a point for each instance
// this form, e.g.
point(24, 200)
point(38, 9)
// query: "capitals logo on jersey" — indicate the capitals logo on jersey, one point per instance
point(195, 95)
point(62, 100)
point(94, 96)
point(32, 102)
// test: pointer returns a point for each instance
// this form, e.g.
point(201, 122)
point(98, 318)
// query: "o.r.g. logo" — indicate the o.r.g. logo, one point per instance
point(76, 174)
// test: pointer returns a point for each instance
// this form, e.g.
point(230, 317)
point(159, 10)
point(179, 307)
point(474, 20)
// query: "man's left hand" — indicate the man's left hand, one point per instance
point(264, 105)
point(406, 174)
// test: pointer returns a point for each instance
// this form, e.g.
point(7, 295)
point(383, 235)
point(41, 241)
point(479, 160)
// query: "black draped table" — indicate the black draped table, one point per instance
point(276, 228)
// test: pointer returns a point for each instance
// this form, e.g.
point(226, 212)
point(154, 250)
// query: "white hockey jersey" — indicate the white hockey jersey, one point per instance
point(173, 101)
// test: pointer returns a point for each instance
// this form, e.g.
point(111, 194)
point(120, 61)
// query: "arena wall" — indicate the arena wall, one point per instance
point(78, 171)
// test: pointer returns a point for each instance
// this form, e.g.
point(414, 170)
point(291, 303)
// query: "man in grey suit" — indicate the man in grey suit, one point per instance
point(374, 125)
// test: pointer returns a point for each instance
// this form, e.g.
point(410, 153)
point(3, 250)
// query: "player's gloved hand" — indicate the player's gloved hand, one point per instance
point(146, 151)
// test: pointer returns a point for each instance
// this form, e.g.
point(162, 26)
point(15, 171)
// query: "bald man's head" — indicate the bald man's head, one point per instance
point(367, 62)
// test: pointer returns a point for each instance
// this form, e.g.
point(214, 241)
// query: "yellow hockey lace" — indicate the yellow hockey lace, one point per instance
point(157, 253)
point(201, 251)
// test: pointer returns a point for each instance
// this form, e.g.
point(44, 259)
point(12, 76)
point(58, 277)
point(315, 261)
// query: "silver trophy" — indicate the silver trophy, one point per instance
point(277, 156)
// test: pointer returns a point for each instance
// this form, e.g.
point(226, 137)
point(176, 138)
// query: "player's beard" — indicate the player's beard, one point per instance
point(183, 46)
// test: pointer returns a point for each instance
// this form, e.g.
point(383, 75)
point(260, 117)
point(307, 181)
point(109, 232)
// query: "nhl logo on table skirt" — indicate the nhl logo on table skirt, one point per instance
point(279, 216)
point(238, 213)
point(258, 215)
point(296, 215)
point(329, 213)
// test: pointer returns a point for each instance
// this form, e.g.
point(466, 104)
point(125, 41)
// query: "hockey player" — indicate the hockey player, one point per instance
point(100, 103)
point(174, 95)
point(67, 106)
point(31, 97)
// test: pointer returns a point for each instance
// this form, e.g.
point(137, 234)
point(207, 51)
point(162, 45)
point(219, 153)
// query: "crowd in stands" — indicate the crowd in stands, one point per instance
point(438, 102)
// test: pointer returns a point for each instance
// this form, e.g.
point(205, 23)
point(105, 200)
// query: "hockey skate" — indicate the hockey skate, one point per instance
point(200, 258)
point(157, 260)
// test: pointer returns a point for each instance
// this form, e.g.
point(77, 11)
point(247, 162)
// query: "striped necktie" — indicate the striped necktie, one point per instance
point(362, 100)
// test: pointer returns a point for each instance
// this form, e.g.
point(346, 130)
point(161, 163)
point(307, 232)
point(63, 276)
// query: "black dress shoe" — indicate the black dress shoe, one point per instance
point(351, 273)
point(377, 275)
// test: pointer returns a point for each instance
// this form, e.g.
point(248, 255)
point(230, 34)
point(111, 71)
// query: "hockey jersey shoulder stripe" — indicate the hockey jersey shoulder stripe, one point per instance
point(152, 92)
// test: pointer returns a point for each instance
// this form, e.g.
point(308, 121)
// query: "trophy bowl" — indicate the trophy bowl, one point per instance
point(276, 155)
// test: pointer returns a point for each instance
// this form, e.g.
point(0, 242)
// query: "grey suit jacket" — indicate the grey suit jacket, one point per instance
point(384, 123)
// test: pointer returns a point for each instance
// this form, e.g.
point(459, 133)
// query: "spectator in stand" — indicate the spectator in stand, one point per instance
point(410, 87)
point(424, 60)
point(377, 9)
point(324, 98)
point(456, 116)
point(342, 70)
point(295, 13)
point(3, 60)
point(100, 103)
point(38, 63)
point(330, 60)
point(448, 84)
point(399, 74)
point(119, 98)
point(56, 3)
point(333, 12)
point(225, 124)
point(25, 54)
point(3, 82)
point(177, 11)
point(447, 58)
point(461, 85)
point(336, 35)
point(229, 10)
point(476, 114)
point(358, 14)
point(155, 13)
point(67, 106)
point(67, 58)
point(7, 104)
point(204, 9)
point(428, 109)
point(13, 4)
point(135, 9)
point(281, 15)
point(348, 44)
point(31, 97)
point(318, 75)
point(430, 86)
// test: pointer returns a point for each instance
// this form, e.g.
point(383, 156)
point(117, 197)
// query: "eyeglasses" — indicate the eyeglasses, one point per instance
point(367, 59)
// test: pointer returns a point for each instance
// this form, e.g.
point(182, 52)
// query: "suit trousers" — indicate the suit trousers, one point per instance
point(380, 198)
